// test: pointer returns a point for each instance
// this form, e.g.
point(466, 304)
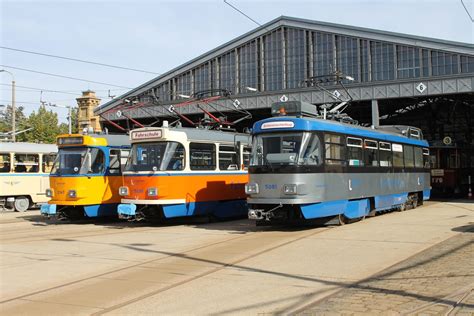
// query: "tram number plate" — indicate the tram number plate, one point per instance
point(437, 172)
point(270, 186)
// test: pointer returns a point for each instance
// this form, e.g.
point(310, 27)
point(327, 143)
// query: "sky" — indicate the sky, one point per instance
point(157, 36)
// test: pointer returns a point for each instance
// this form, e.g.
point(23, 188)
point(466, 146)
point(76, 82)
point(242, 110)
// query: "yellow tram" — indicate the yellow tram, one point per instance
point(86, 175)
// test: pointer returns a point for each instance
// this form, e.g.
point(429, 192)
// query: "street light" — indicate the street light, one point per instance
point(69, 118)
point(13, 105)
point(251, 89)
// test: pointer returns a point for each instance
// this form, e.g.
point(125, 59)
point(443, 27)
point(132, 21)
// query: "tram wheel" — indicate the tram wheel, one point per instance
point(402, 207)
point(342, 219)
point(21, 204)
point(414, 203)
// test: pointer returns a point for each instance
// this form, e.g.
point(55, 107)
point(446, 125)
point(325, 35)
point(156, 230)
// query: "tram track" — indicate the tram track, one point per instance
point(65, 232)
point(195, 253)
point(116, 270)
point(217, 269)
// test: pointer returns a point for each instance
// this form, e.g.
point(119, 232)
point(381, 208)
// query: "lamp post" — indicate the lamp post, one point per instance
point(13, 105)
point(69, 118)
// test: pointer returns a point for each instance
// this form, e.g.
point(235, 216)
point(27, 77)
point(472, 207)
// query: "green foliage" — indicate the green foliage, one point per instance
point(45, 126)
point(44, 123)
point(6, 121)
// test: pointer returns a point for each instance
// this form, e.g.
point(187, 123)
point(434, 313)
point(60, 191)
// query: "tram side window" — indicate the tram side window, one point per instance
point(334, 149)
point(26, 163)
point(408, 156)
point(4, 163)
point(203, 156)
point(370, 153)
point(385, 154)
point(124, 153)
point(48, 161)
point(228, 158)
point(114, 161)
point(426, 158)
point(246, 157)
point(397, 150)
point(418, 157)
point(354, 152)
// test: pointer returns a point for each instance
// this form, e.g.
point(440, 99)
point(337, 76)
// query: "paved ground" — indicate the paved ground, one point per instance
point(437, 281)
point(229, 268)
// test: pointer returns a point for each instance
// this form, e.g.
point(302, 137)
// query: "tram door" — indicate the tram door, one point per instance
point(450, 167)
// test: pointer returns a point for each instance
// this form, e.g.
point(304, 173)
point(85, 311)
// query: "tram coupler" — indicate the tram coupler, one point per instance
point(261, 214)
point(48, 210)
point(128, 212)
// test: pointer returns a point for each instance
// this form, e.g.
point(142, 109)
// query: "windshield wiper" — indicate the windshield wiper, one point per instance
point(267, 163)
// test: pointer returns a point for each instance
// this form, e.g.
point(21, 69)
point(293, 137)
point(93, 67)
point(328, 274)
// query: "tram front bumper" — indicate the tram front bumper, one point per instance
point(127, 211)
point(48, 210)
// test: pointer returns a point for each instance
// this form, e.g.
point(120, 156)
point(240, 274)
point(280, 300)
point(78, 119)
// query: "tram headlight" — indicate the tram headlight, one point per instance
point(251, 188)
point(123, 191)
point(49, 192)
point(290, 189)
point(72, 193)
point(152, 192)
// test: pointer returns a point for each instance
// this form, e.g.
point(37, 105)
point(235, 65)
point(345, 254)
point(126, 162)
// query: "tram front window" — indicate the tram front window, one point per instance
point(73, 161)
point(156, 156)
point(302, 149)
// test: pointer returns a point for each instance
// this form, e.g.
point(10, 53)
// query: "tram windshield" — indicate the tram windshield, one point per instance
point(73, 161)
point(286, 149)
point(156, 156)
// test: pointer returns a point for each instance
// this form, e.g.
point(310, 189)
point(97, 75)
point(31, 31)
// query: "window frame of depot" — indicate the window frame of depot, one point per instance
point(21, 166)
point(355, 154)
point(228, 153)
point(335, 144)
point(369, 151)
point(385, 147)
point(203, 167)
point(295, 56)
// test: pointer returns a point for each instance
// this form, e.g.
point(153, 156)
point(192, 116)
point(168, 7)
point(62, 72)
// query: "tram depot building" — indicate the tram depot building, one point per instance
point(407, 79)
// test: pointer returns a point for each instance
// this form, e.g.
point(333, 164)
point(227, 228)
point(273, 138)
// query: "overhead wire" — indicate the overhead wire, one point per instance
point(467, 11)
point(77, 60)
point(65, 77)
point(33, 89)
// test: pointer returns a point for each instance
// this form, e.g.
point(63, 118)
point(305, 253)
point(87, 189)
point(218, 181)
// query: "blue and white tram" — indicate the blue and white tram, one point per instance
point(305, 168)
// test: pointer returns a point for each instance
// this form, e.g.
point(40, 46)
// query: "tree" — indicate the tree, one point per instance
point(45, 126)
point(6, 121)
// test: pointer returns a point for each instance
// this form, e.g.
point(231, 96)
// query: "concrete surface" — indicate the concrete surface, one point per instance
point(217, 268)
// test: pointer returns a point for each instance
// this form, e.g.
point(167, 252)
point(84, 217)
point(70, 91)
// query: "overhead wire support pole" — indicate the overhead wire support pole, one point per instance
point(13, 105)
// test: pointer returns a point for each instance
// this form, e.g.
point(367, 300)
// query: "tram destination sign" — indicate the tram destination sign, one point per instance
point(147, 134)
point(279, 124)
